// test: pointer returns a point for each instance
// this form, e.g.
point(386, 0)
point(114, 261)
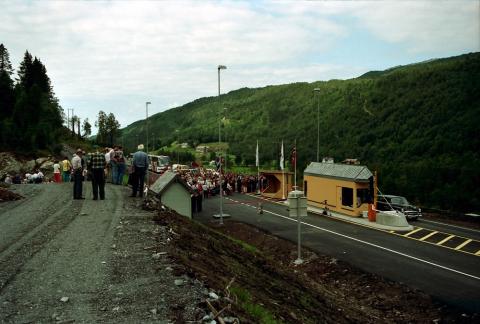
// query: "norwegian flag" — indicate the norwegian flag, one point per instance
point(294, 157)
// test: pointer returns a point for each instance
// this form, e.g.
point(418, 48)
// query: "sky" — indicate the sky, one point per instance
point(117, 55)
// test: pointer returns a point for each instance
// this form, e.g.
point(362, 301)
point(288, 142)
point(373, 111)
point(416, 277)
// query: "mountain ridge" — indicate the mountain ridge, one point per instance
point(414, 124)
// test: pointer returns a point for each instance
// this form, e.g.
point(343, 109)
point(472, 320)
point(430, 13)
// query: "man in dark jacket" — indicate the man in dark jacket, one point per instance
point(140, 167)
point(97, 165)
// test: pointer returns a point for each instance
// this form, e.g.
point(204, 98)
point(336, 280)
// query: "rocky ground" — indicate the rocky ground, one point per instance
point(66, 261)
point(88, 261)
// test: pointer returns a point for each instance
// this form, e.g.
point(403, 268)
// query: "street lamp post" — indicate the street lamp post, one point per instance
point(220, 67)
point(146, 126)
point(317, 92)
point(146, 120)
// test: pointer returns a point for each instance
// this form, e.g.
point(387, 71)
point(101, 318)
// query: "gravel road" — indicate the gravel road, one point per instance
point(64, 260)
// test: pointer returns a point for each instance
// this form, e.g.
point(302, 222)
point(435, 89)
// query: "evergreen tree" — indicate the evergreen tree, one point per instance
point(24, 71)
point(101, 124)
point(108, 128)
point(5, 64)
point(87, 128)
point(7, 96)
point(37, 115)
point(113, 127)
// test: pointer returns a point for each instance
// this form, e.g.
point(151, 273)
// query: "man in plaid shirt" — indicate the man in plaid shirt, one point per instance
point(96, 166)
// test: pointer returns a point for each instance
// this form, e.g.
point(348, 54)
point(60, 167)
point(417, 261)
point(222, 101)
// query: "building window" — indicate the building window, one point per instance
point(363, 196)
point(347, 197)
point(305, 188)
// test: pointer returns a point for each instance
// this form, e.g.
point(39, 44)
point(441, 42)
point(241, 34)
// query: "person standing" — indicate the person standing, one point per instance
point(113, 164)
point(120, 161)
point(77, 174)
point(97, 165)
point(66, 169)
point(56, 172)
point(140, 166)
point(108, 175)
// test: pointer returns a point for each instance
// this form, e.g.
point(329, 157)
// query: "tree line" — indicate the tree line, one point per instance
point(31, 117)
point(30, 114)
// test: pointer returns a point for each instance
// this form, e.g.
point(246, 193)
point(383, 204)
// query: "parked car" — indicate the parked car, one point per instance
point(391, 202)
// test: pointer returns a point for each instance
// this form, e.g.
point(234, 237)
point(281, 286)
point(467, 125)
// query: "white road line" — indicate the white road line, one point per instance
point(375, 245)
point(460, 227)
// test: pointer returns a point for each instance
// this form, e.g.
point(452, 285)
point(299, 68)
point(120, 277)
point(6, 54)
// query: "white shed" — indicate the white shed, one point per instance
point(173, 193)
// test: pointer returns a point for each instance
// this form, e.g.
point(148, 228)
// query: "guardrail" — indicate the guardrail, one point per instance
point(451, 214)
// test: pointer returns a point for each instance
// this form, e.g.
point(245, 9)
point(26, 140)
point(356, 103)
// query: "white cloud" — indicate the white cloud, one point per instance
point(116, 55)
point(425, 26)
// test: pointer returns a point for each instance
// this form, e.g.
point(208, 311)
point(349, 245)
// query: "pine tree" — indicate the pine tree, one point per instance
point(87, 128)
point(24, 71)
point(37, 114)
point(7, 96)
point(101, 124)
point(5, 65)
point(113, 126)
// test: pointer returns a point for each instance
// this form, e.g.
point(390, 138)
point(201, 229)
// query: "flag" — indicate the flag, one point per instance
point(294, 157)
point(257, 159)
point(281, 158)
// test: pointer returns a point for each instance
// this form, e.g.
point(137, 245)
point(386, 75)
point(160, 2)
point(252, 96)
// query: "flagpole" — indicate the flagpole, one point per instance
point(257, 160)
point(283, 172)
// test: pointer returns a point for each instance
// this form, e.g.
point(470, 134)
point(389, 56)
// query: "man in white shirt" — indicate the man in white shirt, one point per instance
point(77, 174)
point(108, 157)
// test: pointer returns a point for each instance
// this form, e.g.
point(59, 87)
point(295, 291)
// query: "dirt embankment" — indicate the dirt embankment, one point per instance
point(261, 284)
point(7, 195)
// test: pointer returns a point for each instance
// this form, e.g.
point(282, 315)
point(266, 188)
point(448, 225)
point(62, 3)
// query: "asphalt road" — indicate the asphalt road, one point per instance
point(450, 276)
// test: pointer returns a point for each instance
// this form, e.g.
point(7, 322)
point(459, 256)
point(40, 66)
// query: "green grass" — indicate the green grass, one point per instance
point(256, 311)
point(245, 246)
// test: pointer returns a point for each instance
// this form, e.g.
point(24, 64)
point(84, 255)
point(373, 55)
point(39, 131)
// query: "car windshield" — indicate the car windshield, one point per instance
point(399, 201)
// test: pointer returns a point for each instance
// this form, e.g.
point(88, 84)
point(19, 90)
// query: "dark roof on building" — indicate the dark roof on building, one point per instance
point(357, 173)
point(165, 180)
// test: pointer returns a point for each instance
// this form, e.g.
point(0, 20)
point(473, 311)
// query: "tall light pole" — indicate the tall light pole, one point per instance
point(220, 67)
point(146, 124)
point(317, 92)
point(146, 120)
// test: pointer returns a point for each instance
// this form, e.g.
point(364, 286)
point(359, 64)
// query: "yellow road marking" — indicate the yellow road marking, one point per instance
point(445, 239)
point(392, 231)
point(478, 252)
point(428, 235)
point(414, 231)
point(463, 244)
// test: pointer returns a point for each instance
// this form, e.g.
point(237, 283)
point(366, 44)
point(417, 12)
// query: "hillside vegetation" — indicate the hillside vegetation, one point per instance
point(416, 125)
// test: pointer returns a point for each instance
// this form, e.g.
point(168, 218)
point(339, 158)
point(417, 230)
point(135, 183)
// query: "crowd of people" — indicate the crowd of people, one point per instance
point(99, 166)
point(110, 165)
point(205, 183)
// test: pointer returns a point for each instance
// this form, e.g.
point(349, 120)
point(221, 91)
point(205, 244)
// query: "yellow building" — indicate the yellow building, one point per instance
point(279, 184)
point(343, 188)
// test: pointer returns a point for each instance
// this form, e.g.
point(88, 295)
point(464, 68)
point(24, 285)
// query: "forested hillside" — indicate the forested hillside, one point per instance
point(417, 125)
